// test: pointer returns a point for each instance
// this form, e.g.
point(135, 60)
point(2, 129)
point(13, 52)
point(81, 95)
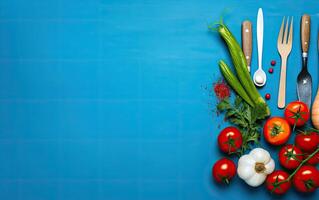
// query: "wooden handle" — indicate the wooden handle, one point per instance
point(246, 34)
point(282, 84)
point(315, 112)
point(305, 32)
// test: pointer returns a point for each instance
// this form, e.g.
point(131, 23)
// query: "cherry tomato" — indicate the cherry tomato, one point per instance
point(230, 140)
point(274, 178)
point(224, 170)
point(271, 70)
point(313, 160)
point(267, 96)
point(307, 141)
point(297, 113)
point(290, 156)
point(277, 131)
point(306, 179)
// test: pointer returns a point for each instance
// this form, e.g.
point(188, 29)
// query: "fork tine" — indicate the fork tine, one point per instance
point(281, 31)
point(290, 31)
point(286, 32)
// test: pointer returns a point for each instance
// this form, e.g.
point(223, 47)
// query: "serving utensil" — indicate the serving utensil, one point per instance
point(284, 45)
point(246, 34)
point(260, 76)
point(304, 80)
point(315, 106)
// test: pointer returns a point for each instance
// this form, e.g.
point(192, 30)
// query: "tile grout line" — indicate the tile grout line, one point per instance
point(100, 143)
point(59, 149)
point(140, 129)
point(180, 146)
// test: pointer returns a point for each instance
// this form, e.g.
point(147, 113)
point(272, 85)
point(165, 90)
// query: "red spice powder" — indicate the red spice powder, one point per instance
point(221, 90)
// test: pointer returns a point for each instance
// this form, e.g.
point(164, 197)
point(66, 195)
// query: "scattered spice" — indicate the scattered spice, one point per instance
point(221, 89)
point(267, 96)
point(271, 70)
point(273, 63)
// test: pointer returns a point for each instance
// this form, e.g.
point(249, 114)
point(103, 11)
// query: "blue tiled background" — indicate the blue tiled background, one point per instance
point(108, 99)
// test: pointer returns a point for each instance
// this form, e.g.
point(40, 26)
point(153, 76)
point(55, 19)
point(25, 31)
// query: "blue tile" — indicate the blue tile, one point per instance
point(118, 79)
point(157, 82)
point(166, 127)
point(48, 120)
point(8, 190)
point(158, 190)
point(50, 40)
point(37, 9)
point(118, 120)
point(9, 155)
point(118, 160)
point(78, 160)
point(119, 190)
point(159, 160)
point(38, 160)
point(48, 80)
point(194, 160)
point(38, 190)
point(41, 10)
point(83, 190)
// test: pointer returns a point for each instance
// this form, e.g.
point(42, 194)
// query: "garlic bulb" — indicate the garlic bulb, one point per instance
point(254, 167)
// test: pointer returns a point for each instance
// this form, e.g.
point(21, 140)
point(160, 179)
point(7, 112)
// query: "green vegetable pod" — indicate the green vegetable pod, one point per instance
point(234, 82)
point(240, 66)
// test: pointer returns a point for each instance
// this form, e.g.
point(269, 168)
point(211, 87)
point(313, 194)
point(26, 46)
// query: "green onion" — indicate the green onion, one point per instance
point(234, 82)
point(240, 66)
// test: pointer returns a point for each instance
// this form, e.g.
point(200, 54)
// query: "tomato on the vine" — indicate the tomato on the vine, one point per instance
point(306, 179)
point(297, 113)
point(230, 140)
point(290, 156)
point(313, 160)
point(277, 131)
point(273, 182)
point(307, 141)
point(224, 170)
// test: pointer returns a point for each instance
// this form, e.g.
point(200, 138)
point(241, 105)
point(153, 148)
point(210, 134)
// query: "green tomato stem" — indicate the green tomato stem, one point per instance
point(300, 165)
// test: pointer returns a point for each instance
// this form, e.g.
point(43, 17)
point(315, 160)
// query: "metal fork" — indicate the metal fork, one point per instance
point(284, 45)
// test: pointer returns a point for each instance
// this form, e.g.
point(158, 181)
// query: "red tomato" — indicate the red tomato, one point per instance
point(274, 178)
point(307, 141)
point(313, 160)
point(297, 113)
point(277, 131)
point(290, 156)
point(230, 140)
point(224, 170)
point(306, 179)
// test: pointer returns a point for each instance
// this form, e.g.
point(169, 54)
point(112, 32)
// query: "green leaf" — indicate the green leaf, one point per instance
point(238, 101)
point(244, 117)
point(230, 113)
point(223, 105)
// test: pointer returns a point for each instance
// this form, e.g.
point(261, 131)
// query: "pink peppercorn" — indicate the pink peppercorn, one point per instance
point(271, 70)
point(267, 96)
point(273, 63)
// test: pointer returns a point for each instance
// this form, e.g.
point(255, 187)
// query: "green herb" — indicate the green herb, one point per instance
point(246, 118)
